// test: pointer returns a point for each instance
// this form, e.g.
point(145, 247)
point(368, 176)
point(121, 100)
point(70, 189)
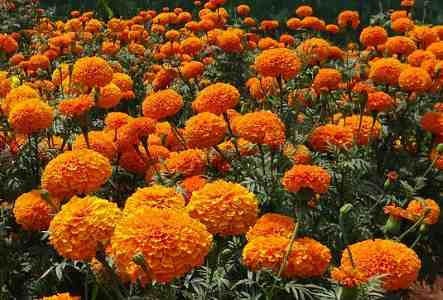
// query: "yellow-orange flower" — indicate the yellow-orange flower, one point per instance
point(17, 95)
point(99, 141)
point(278, 62)
point(216, 98)
point(373, 36)
point(76, 107)
point(134, 132)
point(64, 296)
point(123, 81)
point(83, 226)
point(115, 120)
point(402, 25)
point(386, 71)
point(162, 104)
point(300, 177)
point(417, 57)
point(76, 172)
point(400, 45)
point(192, 69)
point(230, 41)
point(168, 242)
point(423, 36)
point(308, 258)
point(92, 72)
point(271, 224)
point(414, 79)
point(313, 23)
point(110, 96)
point(364, 128)
point(187, 162)
point(327, 79)
point(260, 88)
point(191, 45)
point(379, 102)
point(192, 184)
point(205, 130)
point(397, 262)
point(30, 116)
point(423, 207)
point(348, 18)
point(326, 136)
point(156, 196)
point(313, 51)
point(437, 49)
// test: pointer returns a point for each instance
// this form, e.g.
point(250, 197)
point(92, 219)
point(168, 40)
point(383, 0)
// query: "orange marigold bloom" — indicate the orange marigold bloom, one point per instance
point(64, 296)
point(230, 41)
point(115, 120)
point(439, 30)
point(379, 102)
point(192, 69)
point(76, 107)
point(225, 208)
point(155, 196)
point(373, 36)
point(400, 45)
point(137, 130)
point(304, 11)
point(216, 98)
point(418, 207)
point(305, 176)
point(268, 25)
point(364, 128)
point(348, 18)
point(332, 28)
point(271, 224)
point(191, 46)
point(432, 122)
point(83, 226)
point(192, 184)
point(31, 116)
point(33, 212)
point(417, 57)
point(248, 21)
point(110, 96)
point(397, 14)
point(308, 258)
point(261, 127)
point(39, 62)
point(99, 141)
point(169, 242)
point(348, 276)
point(437, 49)
point(268, 43)
point(313, 51)
point(377, 257)
point(414, 79)
point(17, 95)
point(188, 162)
point(326, 136)
point(262, 88)
point(76, 172)
point(92, 72)
point(402, 25)
point(423, 36)
point(278, 62)
point(123, 81)
point(313, 23)
point(162, 104)
point(243, 10)
point(205, 130)
point(327, 79)
point(386, 71)
point(294, 23)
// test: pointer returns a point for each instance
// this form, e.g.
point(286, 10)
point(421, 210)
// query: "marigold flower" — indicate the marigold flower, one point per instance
point(313, 51)
point(294, 23)
point(271, 224)
point(76, 107)
point(83, 226)
point(64, 296)
point(216, 98)
point(110, 96)
point(423, 207)
point(192, 184)
point(39, 62)
point(348, 18)
point(99, 141)
point(432, 122)
point(115, 120)
point(304, 11)
point(191, 46)
point(123, 81)
point(30, 116)
point(136, 160)
point(379, 102)
point(397, 262)
point(327, 79)
point(192, 69)
point(437, 49)
point(229, 41)
point(205, 130)
point(326, 136)
point(17, 95)
point(305, 176)
point(162, 104)
point(243, 10)
point(261, 127)
point(33, 212)
point(364, 128)
point(263, 87)
point(386, 71)
point(76, 172)
point(168, 242)
point(313, 23)
point(402, 25)
point(423, 36)
point(92, 72)
point(156, 196)
point(414, 79)
point(373, 36)
point(225, 208)
point(308, 258)
point(268, 25)
point(400, 45)
point(278, 62)
point(417, 57)
point(187, 162)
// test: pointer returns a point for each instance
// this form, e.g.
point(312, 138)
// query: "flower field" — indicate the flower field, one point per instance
point(203, 153)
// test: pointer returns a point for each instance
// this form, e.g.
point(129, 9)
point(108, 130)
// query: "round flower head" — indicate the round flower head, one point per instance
point(99, 141)
point(313, 23)
point(414, 79)
point(191, 46)
point(225, 208)
point(192, 184)
point(364, 128)
point(156, 196)
point(417, 57)
point(326, 80)
point(325, 137)
point(229, 41)
point(262, 127)
point(137, 130)
point(373, 36)
point(423, 36)
point(30, 116)
point(33, 212)
point(76, 172)
point(386, 71)
point(304, 11)
point(402, 25)
point(192, 69)
point(83, 226)
point(187, 162)
point(400, 45)
point(300, 177)
point(64, 296)
point(279, 62)
point(308, 258)
point(123, 81)
point(168, 243)
point(216, 98)
point(162, 104)
point(115, 120)
point(76, 107)
point(433, 122)
point(437, 49)
point(17, 95)
point(313, 51)
point(423, 207)
point(348, 18)
point(379, 102)
point(110, 96)
point(271, 224)
point(397, 262)
point(92, 72)
point(204, 130)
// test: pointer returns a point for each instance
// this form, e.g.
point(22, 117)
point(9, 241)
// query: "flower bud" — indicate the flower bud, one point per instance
point(440, 148)
point(392, 225)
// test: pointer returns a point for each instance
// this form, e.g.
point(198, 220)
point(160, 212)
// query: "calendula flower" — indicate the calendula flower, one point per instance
point(17, 95)
point(162, 104)
point(33, 212)
point(326, 80)
point(348, 18)
point(76, 107)
point(168, 243)
point(326, 136)
point(225, 208)
point(379, 102)
point(216, 98)
point(373, 36)
point(398, 263)
point(278, 62)
point(414, 79)
point(30, 116)
point(204, 130)
point(308, 258)
point(386, 71)
point(92, 72)
point(155, 196)
point(83, 226)
point(300, 177)
point(271, 224)
point(76, 172)
point(187, 162)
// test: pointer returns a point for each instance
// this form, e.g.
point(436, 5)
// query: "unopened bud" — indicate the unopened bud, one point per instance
point(139, 259)
point(440, 148)
point(345, 209)
point(392, 225)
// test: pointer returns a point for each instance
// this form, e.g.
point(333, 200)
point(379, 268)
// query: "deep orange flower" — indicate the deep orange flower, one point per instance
point(30, 116)
point(155, 196)
point(402, 25)
point(326, 80)
point(216, 98)
point(162, 104)
point(17, 95)
point(192, 184)
point(326, 136)
point(115, 120)
point(433, 122)
point(205, 130)
point(414, 79)
point(386, 71)
point(304, 11)
point(423, 36)
point(191, 46)
point(64, 296)
point(437, 49)
point(192, 69)
point(278, 62)
point(268, 25)
point(271, 224)
point(38, 62)
point(400, 45)
point(92, 72)
point(136, 131)
point(364, 128)
point(261, 88)
point(243, 10)
point(313, 51)
point(294, 23)
point(188, 162)
point(110, 96)
point(300, 177)
point(373, 36)
point(313, 23)
point(379, 102)
point(417, 57)
point(230, 41)
point(76, 107)
point(99, 141)
point(418, 207)
point(348, 18)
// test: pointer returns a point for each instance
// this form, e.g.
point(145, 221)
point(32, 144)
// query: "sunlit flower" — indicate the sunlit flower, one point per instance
point(300, 177)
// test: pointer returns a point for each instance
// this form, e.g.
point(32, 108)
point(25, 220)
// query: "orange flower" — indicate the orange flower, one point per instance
point(437, 49)
point(397, 262)
point(76, 107)
point(64, 296)
point(225, 208)
point(137, 130)
point(192, 69)
point(230, 41)
point(323, 137)
point(414, 79)
point(99, 141)
point(191, 46)
point(379, 102)
point(243, 10)
point(216, 98)
point(110, 96)
point(400, 45)
point(39, 62)
point(260, 89)
point(348, 18)
point(423, 36)
point(402, 25)
point(162, 104)
point(75, 172)
point(155, 196)
point(304, 11)
point(313, 23)
point(294, 23)
point(433, 122)
point(278, 62)
point(188, 162)
point(327, 79)
point(419, 207)
point(261, 127)
point(17, 95)
point(92, 72)
point(364, 128)
point(373, 36)
point(313, 51)
point(417, 57)
point(268, 25)
point(304, 176)
point(308, 258)
point(82, 226)
point(386, 71)
point(115, 120)
point(168, 242)
point(30, 116)
point(192, 184)
point(205, 130)
point(271, 224)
